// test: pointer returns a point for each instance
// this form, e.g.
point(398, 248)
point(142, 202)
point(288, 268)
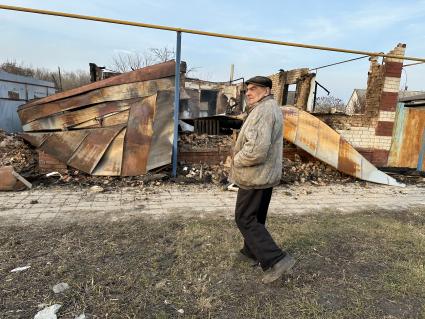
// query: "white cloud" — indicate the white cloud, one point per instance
point(321, 28)
point(382, 17)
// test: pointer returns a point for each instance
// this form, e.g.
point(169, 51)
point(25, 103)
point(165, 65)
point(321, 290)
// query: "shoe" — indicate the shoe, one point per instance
point(277, 270)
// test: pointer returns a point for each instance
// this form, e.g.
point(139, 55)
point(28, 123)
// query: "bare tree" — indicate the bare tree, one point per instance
point(125, 62)
point(73, 79)
point(69, 79)
point(14, 67)
point(162, 54)
point(329, 104)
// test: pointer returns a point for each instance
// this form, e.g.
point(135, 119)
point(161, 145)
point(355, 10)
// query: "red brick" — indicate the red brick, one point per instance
point(212, 157)
point(377, 157)
point(393, 69)
point(380, 158)
point(366, 153)
point(388, 101)
point(384, 128)
point(203, 157)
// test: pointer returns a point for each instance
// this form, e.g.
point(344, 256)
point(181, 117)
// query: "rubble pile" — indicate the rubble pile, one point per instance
point(204, 173)
point(204, 142)
point(314, 171)
point(297, 171)
point(75, 178)
point(216, 174)
point(293, 172)
point(186, 174)
point(15, 152)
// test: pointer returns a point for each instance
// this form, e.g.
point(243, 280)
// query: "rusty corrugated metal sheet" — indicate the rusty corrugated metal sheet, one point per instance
point(158, 71)
point(397, 138)
point(107, 129)
point(349, 160)
point(290, 124)
point(307, 132)
point(138, 137)
point(111, 93)
point(72, 119)
point(111, 162)
point(329, 142)
point(115, 119)
point(318, 139)
point(163, 131)
point(112, 119)
point(35, 139)
point(91, 150)
point(93, 123)
point(62, 145)
point(408, 138)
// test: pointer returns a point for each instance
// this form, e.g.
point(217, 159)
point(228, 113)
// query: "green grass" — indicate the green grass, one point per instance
point(363, 265)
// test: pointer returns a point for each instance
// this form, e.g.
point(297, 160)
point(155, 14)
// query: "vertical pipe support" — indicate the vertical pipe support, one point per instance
point(176, 103)
point(421, 153)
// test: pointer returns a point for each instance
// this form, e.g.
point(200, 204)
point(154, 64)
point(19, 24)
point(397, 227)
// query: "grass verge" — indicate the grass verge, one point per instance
point(363, 265)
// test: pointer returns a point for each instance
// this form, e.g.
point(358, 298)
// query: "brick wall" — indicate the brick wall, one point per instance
point(387, 106)
point(49, 164)
point(300, 77)
point(371, 132)
point(303, 91)
point(206, 156)
point(218, 156)
point(388, 101)
point(277, 86)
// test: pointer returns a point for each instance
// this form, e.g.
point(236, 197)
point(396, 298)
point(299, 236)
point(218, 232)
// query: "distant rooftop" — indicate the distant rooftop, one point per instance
point(415, 100)
point(401, 94)
point(9, 77)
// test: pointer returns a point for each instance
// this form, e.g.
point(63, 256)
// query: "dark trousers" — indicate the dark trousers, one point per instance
point(250, 216)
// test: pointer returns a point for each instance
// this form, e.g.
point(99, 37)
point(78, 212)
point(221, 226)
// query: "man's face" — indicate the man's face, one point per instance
point(255, 93)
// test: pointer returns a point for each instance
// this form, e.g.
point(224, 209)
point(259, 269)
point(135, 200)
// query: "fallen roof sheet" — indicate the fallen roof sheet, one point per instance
point(119, 126)
point(318, 139)
point(157, 71)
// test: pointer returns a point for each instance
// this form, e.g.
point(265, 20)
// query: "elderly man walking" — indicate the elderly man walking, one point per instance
point(256, 169)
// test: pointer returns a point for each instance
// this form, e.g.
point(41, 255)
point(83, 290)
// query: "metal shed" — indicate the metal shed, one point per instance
point(16, 90)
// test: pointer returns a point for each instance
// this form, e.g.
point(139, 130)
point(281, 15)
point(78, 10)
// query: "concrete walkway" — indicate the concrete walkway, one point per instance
point(64, 205)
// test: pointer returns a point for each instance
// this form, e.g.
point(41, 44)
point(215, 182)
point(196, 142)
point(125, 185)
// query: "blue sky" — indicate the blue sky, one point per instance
point(47, 41)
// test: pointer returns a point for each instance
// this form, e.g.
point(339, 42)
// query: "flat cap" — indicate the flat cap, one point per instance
point(261, 81)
